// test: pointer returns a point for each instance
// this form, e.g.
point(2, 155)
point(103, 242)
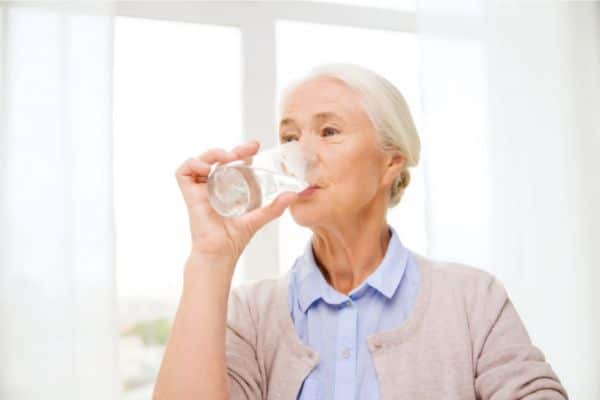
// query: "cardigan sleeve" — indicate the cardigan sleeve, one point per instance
point(507, 365)
point(245, 379)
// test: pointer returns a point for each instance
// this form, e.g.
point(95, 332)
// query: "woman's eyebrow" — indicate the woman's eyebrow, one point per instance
point(286, 121)
point(327, 115)
point(318, 116)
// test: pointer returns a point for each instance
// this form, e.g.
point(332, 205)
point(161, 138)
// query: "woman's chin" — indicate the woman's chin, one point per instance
point(306, 214)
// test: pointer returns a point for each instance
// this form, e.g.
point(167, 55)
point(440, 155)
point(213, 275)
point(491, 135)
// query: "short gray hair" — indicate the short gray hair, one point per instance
point(386, 108)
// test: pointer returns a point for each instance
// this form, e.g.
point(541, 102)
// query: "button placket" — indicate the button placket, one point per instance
point(346, 353)
point(345, 369)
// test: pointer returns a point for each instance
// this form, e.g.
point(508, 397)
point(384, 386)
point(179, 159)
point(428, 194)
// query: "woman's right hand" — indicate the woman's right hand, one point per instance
point(213, 235)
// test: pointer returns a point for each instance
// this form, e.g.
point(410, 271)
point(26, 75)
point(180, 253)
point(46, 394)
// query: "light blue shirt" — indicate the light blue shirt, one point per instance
point(336, 326)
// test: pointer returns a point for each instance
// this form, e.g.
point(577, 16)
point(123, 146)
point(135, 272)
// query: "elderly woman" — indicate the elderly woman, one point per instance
point(359, 316)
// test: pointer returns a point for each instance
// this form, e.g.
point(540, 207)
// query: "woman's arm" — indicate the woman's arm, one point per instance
point(508, 365)
point(193, 366)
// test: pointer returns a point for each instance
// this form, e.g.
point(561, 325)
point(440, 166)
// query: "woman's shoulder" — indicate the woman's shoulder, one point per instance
point(457, 287)
point(459, 277)
point(258, 289)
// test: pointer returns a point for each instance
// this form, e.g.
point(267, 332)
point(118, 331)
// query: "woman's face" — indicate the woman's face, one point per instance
point(353, 173)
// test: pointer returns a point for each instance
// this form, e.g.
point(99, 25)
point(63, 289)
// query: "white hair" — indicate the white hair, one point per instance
point(386, 108)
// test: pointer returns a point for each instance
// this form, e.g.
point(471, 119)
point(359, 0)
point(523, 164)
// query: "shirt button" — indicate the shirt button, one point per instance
point(346, 353)
point(348, 303)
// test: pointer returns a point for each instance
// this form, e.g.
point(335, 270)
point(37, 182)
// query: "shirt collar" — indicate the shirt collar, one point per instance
point(312, 285)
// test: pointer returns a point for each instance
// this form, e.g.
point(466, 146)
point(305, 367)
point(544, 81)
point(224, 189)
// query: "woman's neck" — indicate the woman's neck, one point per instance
point(348, 256)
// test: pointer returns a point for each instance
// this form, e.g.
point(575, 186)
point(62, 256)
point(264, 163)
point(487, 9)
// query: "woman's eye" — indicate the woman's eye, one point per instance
point(285, 139)
point(330, 131)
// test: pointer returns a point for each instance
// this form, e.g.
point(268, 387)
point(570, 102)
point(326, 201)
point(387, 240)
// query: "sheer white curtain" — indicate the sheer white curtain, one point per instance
point(57, 302)
point(511, 93)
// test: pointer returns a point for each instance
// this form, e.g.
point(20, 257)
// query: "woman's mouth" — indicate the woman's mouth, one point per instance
point(309, 190)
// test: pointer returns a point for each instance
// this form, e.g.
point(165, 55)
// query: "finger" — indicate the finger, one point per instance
point(256, 219)
point(193, 167)
point(216, 155)
point(193, 171)
point(246, 150)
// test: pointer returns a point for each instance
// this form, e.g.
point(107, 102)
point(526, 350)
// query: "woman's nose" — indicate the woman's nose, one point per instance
point(310, 149)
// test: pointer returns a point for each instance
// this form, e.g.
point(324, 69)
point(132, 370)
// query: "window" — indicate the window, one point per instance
point(184, 73)
point(400, 5)
point(176, 92)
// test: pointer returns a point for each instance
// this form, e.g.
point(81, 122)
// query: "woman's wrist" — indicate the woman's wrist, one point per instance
point(202, 267)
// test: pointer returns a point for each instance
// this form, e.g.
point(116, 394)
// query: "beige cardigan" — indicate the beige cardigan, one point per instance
point(463, 340)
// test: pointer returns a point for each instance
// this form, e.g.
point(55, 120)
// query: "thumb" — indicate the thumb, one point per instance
point(256, 219)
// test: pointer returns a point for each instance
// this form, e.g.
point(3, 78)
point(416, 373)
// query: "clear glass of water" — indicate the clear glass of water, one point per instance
point(238, 187)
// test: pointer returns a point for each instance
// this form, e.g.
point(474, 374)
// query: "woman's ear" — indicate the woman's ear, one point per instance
point(395, 165)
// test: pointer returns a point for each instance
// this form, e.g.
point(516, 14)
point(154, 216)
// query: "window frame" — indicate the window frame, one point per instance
point(257, 23)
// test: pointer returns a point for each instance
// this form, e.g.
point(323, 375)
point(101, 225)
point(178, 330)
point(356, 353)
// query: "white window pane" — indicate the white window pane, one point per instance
point(394, 55)
point(177, 92)
point(399, 5)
